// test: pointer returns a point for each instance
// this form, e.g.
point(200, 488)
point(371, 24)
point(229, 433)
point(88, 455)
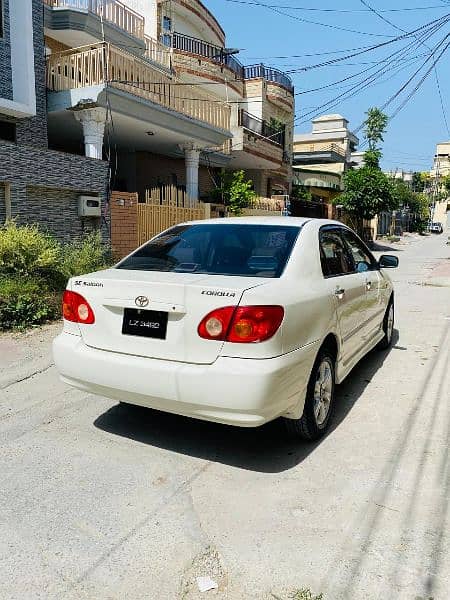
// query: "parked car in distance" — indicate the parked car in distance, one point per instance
point(237, 321)
point(436, 228)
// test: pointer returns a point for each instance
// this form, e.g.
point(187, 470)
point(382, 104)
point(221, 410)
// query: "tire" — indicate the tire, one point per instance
point(388, 327)
point(316, 419)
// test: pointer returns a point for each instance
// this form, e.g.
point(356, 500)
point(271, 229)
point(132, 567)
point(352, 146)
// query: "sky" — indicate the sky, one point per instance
point(264, 35)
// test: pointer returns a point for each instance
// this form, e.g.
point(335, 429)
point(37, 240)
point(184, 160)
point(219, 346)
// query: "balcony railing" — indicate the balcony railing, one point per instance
point(185, 43)
point(320, 148)
point(105, 64)
point(157, 52)
point(261, 127)
point(112, 11)
point(270, 74)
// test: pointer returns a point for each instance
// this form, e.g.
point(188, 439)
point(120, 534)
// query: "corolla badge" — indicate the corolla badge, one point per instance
point(141, 301)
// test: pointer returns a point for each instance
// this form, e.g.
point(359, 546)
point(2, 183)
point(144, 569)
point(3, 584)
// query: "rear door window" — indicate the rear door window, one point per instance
point(363, 259)
point(228, 249)
point(335, 256)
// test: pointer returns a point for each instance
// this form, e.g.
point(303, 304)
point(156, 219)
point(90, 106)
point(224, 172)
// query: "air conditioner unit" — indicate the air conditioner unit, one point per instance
point(89, 206)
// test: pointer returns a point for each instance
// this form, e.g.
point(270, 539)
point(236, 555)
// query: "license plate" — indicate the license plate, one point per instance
point(145, 323)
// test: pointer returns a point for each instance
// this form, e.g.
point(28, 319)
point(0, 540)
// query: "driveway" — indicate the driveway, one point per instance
point(100, 501)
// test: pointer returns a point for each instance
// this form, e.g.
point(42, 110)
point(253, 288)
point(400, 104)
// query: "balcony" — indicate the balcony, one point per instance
point(157, 53)
point(318, 153)
point(269, 74)
point(112, 11)
point(105, 65)
point(185, 43)
point(262, 128)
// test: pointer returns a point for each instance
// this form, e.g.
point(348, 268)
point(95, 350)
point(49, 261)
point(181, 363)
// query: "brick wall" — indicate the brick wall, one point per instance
point(45, 186)
point(6, 90)
point(192, 64)
point(124, 223)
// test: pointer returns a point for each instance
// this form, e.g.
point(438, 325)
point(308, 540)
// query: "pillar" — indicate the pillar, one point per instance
point(93, 123)
point(192, 159)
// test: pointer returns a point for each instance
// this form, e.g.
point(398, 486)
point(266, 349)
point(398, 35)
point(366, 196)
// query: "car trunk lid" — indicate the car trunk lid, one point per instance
point(181, 298)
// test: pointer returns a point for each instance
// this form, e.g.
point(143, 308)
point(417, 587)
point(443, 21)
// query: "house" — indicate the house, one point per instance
point(37, 184)
point(321, 157)
point(152, 86)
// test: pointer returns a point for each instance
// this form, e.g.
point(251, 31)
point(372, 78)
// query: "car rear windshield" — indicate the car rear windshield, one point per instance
point(228, 249)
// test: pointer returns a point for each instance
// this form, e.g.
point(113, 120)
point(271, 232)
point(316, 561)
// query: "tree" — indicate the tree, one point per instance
point(234, 191)
point(446, 183)
point(300, 192)
point(374, 127)
point(368, 191)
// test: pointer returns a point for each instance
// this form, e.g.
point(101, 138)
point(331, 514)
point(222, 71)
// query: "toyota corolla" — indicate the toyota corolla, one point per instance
point(238, 321)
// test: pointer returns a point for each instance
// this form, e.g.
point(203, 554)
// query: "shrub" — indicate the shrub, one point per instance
point(34, 269)
point(28, 252)
point(25, 302)
point(84, 256)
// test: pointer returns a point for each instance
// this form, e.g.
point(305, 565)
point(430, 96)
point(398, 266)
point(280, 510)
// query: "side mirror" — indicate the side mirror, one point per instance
point(388, 261)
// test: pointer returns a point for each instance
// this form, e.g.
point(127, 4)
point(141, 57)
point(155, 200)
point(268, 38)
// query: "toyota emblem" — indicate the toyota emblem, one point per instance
point(141, 301)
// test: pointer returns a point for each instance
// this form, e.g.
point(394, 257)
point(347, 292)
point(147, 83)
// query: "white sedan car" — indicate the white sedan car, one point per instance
point(238, 321)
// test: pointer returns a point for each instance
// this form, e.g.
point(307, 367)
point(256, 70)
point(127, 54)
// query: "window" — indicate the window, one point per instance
point(7, 131)
point(363, 260)
point(167, 24)
point(334, 254)
point(245, 250)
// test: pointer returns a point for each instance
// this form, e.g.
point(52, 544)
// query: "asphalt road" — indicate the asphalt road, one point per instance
point(99, 501)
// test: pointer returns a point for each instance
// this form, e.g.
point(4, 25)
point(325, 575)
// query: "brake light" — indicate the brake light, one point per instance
point(75, 308)
point(241, 324)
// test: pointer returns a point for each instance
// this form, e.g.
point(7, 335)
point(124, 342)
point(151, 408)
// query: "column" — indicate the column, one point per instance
point(93, 123)
point(191, 157)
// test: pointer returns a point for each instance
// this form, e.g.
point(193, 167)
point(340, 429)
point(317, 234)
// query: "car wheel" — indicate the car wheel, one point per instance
point(388, 327)
point(319, 400)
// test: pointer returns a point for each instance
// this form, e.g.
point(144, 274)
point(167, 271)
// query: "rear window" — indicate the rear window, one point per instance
point(243, 250)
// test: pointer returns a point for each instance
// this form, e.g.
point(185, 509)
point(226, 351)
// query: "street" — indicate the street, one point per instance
point(103, 501)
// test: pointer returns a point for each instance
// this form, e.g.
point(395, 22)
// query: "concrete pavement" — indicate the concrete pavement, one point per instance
point(99, 501)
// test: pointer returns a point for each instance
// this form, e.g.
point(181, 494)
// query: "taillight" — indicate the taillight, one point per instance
point(76, 308)
point(215, 325)
point(241, 324)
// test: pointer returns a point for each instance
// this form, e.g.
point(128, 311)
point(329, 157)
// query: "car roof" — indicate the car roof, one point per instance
point(272, 220)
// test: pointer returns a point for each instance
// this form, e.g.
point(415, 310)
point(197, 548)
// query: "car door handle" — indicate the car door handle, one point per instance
point(339, 293)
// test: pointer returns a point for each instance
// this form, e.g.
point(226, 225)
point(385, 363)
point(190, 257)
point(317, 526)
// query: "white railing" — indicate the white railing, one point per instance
point(111, 10)
point(105, 64)
point(157, 52)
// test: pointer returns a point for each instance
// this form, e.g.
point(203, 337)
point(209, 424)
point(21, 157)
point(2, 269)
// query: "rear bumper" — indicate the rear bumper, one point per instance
point(243, 392)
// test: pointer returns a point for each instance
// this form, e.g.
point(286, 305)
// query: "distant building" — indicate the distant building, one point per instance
point(322, 156)
point(441, 164)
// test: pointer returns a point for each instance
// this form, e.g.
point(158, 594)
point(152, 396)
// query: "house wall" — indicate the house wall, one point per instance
point(45, 184)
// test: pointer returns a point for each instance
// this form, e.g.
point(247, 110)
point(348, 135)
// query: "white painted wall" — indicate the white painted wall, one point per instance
point(148, 9)
point(22, 61)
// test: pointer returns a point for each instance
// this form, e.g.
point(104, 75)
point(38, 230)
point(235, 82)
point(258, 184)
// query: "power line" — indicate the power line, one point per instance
point(396, 27)
point(337, 10)
point(269, 7)
point(441, 21)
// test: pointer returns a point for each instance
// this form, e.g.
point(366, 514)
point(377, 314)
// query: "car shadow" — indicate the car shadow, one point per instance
point(377, 247)
point(267, 449)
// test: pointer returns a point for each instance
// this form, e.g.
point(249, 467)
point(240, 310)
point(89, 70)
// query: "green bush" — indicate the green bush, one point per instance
point(84, 256)
point(28, 252)
point(34, 269)
point(25, 302)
